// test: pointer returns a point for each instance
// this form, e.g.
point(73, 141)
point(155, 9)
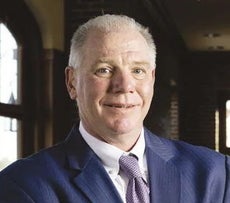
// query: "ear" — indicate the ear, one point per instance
point(70, 81)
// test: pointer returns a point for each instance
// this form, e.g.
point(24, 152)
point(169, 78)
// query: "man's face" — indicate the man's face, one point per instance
point(113, 86)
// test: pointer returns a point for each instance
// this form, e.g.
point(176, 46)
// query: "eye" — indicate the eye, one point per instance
point(139, 73)
point(105, 72)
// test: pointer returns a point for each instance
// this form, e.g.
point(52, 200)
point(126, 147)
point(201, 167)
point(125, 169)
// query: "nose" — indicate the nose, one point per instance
point(122, 82)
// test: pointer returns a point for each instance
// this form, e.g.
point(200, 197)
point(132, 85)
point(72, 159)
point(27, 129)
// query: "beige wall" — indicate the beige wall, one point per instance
point(50, 17)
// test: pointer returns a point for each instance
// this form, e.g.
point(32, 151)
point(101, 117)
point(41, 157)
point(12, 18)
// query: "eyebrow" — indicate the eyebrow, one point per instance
point(109, 61)
point(141, 63)
point(104, 60)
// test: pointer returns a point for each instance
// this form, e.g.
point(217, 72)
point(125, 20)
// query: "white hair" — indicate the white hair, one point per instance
point(106, 23)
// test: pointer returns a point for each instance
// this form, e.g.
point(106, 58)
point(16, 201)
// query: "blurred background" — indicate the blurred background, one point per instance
point(192, 90)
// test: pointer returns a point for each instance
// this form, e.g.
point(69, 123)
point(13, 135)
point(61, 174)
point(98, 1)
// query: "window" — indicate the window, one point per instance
point(228, 124)
point(174, 117)
point(9, 94)
point(224, 122)
point(8, 141)
point(8, 67)
point(20, 75)
point(217, 131)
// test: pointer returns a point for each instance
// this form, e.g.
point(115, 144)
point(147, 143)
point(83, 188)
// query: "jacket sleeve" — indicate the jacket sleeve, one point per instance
point(227, 184)
point(10, 192)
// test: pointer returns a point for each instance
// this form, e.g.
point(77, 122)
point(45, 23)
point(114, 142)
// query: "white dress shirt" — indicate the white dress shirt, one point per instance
point(110, 155)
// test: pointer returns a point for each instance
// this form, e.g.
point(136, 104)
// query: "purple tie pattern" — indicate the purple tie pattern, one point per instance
point(137, 190)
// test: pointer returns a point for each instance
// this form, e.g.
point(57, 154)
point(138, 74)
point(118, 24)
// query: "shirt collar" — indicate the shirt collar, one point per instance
point(110, 154)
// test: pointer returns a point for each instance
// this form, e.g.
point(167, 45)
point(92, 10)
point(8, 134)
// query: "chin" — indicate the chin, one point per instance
point(123, 127)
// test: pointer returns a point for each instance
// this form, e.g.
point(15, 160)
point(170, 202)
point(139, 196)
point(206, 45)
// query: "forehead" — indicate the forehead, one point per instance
point(120, 42)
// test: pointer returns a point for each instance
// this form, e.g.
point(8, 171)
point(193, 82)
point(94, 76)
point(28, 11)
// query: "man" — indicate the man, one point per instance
point(111, 75)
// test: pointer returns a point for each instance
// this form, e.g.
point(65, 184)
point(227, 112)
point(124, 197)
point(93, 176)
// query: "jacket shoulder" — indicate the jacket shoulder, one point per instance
point(185, 152)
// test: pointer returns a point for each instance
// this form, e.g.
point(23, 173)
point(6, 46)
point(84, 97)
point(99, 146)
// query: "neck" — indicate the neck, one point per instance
point(123, 141)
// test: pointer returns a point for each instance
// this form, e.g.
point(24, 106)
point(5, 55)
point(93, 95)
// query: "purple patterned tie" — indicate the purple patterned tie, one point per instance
point(137, 190)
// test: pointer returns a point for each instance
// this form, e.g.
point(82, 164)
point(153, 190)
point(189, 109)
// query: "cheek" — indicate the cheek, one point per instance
point(147, 87)
point(147, 93)
point(94, 88)
point(99, 85)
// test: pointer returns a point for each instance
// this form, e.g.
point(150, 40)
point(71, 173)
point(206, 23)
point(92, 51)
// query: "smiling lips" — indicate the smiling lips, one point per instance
point(121, 106)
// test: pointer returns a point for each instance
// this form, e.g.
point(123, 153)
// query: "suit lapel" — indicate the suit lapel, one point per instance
point(96, 184)
point(91, 178)
point(163, 174)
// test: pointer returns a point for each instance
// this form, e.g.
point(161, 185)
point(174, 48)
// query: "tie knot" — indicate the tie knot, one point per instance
point(129, 164)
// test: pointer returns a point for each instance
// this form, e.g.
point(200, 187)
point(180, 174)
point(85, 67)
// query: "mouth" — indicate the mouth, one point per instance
point(120, 106)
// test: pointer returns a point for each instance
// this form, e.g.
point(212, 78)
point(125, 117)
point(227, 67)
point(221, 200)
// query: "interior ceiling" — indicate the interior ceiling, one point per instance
point(204, 25)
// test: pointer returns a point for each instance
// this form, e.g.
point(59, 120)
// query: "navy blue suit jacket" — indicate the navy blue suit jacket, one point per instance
point(70, 172)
